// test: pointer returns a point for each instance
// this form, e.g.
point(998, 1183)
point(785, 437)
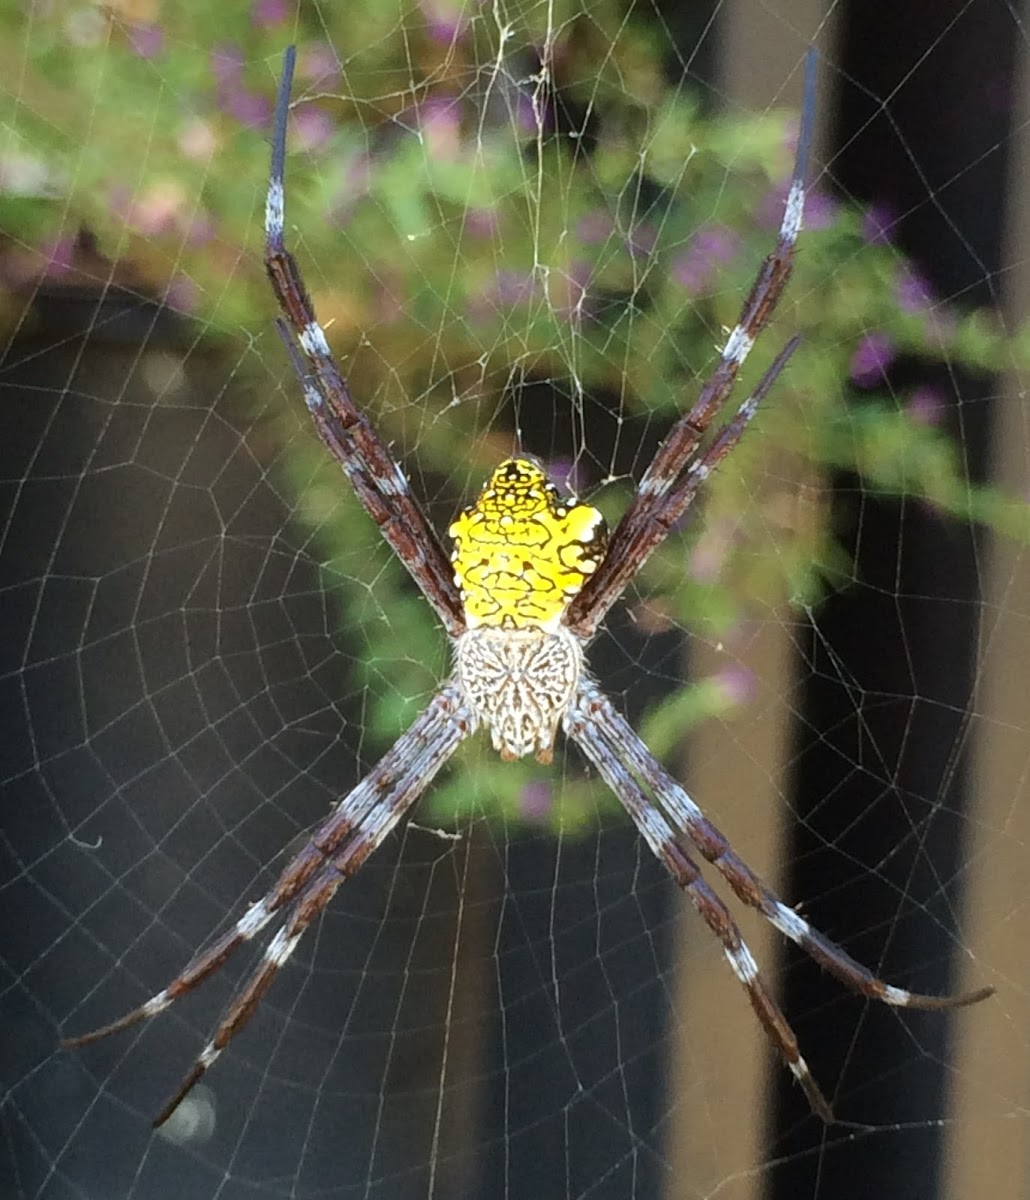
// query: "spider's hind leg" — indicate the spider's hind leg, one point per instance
point(354, 829)
point(714, 847)
point(588, 733)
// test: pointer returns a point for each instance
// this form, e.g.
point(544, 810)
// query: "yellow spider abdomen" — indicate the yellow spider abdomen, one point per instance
point(522, 551)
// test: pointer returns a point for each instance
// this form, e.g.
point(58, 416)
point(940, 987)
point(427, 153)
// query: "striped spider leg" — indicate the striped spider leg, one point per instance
point(658, 805)
point(363, 818)
point(355, 828)
point(670, 481)
point(662, 810)
point(348, 433)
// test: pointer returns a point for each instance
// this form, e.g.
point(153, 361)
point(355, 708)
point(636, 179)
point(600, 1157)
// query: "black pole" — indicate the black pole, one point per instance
point(881, 782)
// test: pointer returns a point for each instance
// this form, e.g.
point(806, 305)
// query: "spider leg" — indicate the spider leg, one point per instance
point(380, 483)
point(716, 849)
point(388, 790)
point(582, 726)
point(655, 525)
point(640, 530)
point(439, 743)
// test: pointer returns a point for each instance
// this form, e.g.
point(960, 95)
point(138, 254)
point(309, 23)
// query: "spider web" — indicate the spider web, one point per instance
point(524, 227)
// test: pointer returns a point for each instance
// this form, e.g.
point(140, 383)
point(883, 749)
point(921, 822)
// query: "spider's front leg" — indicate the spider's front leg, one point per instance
point(672, 478)
point(347, 432)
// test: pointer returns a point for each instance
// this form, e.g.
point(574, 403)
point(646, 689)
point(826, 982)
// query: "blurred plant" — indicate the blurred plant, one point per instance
point(484, 196)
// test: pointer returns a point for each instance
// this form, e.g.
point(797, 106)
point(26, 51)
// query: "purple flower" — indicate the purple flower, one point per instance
point(319, 66)
point(873, 355)
point(711, 247)
point(481, 222)
point(736, 684)
point(926, 406)
point(879, 224)
point(821, 210)
point(249, 108)
point(508, 289)
point(159, 210)
point(513, 287)
point(313, 127)
point(181, 294)
point(200, 228)
point(913, 292)
point(567, 473)
point(355, 175)
point(595, 228)
point(146, 38)
point(577, 279)
point(227, 64)
point(445, 21)
point(59, 255)
point(532, 119)
point(535, 801)
point(266, 13)
point(440, 121)
point(711, 551)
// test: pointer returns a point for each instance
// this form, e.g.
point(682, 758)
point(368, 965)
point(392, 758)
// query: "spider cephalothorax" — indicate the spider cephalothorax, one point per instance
point(528, 584)
point(521, 553)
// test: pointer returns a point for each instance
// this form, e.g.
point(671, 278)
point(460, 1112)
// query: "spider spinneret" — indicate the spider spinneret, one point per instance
point(521, 553)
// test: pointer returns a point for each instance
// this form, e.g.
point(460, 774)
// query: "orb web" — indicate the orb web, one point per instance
point(526, 231)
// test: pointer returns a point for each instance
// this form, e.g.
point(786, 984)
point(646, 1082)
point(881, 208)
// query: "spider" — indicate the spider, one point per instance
point(531, 576)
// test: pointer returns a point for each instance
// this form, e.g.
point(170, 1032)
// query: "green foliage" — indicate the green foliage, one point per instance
point(459, 236)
